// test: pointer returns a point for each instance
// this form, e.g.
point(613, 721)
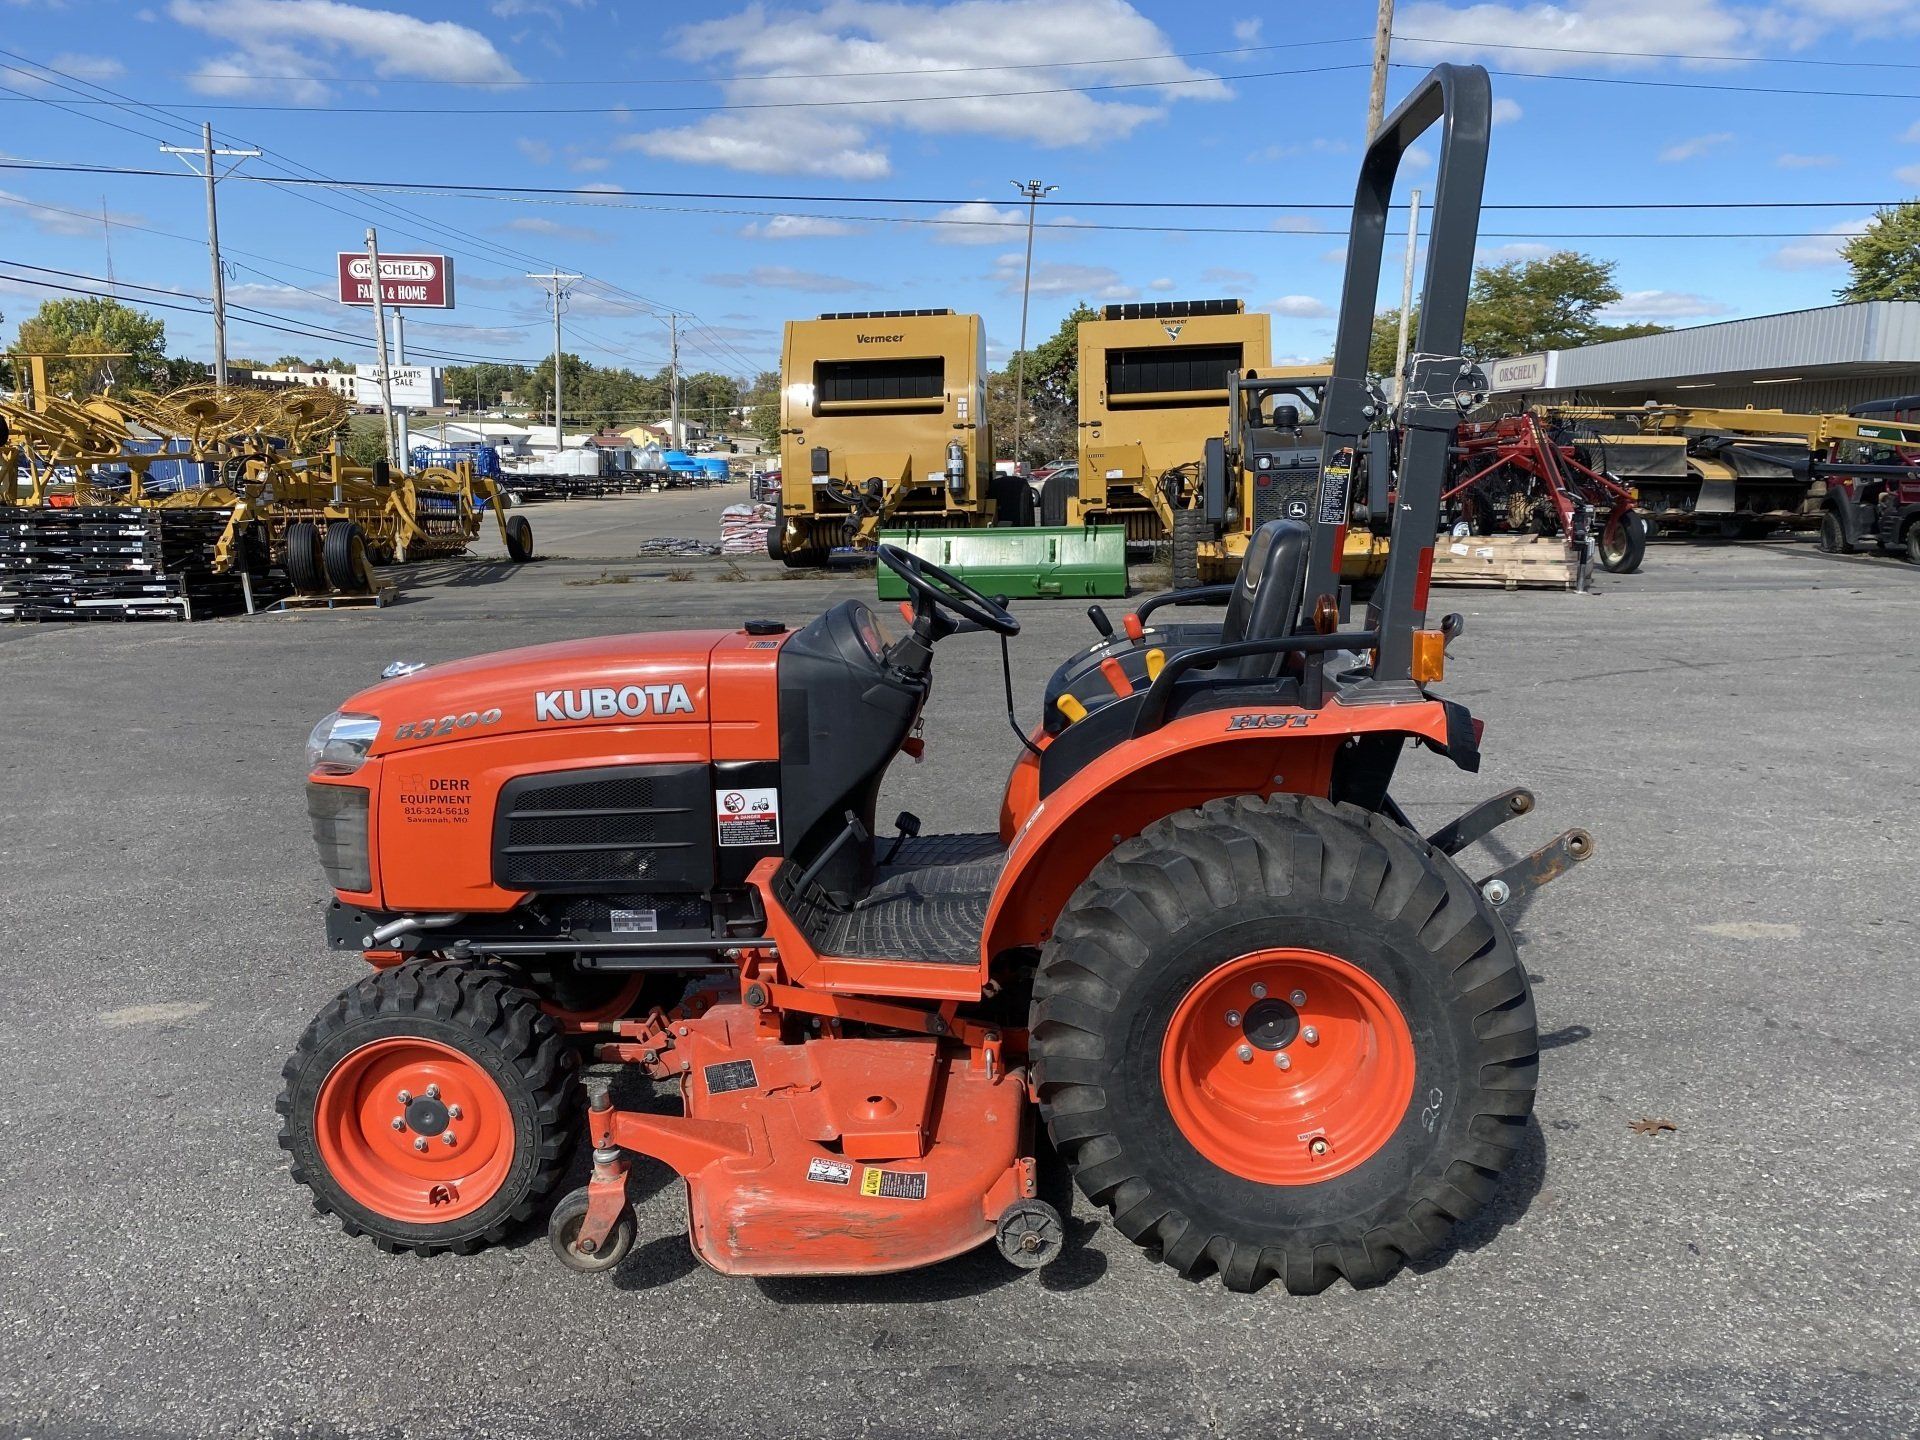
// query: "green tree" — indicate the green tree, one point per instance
point(764, 396)
point(87, 329)
point(1885, 257)
point(480, 386)
point(709, 398)
point(1048, 429)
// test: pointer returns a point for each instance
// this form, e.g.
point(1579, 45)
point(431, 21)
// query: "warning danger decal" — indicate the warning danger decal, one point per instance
point(894, 1184)
point(829, 1172)
point(730, 1075)
point(747, 816)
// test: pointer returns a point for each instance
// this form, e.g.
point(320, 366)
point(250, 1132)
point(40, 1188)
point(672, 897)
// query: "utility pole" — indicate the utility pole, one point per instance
point(380, 348)
point(106, 230)
point(1382, 48)
point(673, 381)
point(206, 155)
point(1033, 190)
point(403, 416)
point(1406, 295)
point(559, 285)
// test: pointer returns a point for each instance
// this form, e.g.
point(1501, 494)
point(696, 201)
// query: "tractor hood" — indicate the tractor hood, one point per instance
point(611, 680)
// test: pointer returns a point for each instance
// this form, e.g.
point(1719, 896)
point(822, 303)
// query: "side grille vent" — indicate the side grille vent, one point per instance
point(635, 828)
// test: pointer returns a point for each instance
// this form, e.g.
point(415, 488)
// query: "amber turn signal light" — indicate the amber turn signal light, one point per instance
point(1429, 656)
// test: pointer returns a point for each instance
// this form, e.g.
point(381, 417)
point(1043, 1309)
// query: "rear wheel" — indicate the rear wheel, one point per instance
point(1190, 527)
point(1623, 542)
point(306, 570)
point(519, 539)
point(430, 1107)
point(1283, 1038)
point(1833, 535)
point(1054, 495)
point(1012, 500)
point(345, 554)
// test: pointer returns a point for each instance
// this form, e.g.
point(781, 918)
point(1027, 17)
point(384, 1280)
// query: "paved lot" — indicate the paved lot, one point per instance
point(1734, 726)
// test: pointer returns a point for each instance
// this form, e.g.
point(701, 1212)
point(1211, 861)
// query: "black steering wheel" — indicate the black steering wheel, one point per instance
point(939, 589)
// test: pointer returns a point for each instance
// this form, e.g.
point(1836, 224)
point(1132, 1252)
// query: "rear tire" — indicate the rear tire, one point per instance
point(776, 533)
point(519, 539)
point(347, 562)
point(1204, 893)
point(501, 1064)
point(1012, 500)
point(306, 571)
point(1054, 495)
point(1833, 535)
point(1190, 527)
point(1913, 542)
point(1623, 543)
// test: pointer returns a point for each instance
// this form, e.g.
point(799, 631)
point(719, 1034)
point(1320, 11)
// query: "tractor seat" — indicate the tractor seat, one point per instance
point(929, 905)
point(1264, 605)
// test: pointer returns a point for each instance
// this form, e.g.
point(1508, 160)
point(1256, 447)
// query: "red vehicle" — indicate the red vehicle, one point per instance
point(1873, 482)
point(1272, 1029)
point(1516, 474)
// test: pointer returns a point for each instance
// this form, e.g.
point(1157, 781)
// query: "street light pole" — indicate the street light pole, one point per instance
point(1033, 190)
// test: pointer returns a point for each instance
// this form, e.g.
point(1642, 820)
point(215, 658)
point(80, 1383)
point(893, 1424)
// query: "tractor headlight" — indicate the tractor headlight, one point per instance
point(339, 743)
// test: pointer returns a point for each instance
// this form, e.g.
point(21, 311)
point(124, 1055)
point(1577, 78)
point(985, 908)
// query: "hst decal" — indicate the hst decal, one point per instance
point(604, 702)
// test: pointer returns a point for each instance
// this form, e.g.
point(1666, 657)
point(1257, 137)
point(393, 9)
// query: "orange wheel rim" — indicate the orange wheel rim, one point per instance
point(1287, 1067)
point(385, 1166)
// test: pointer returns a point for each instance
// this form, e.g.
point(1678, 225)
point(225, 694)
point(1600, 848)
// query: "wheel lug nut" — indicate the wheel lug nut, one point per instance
point(1310, 1035)
point(1245, 1052)
point(453, 1112)
point(433, 1092)
point(406, 1097)
point(399, 1122)
point(1233, 1017)
point(420, 1143)
point(1318, 1145)
point(1283, 1060)
point(1259, 992)
point(448, 1138)
point(1298, 997)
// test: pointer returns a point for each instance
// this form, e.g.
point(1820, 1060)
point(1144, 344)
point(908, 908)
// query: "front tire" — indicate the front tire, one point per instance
point(1623, 543)
point(1833, 535)
point(1363, 1149)
point(519, 539)
point(1190, 527)
point(478, 1060)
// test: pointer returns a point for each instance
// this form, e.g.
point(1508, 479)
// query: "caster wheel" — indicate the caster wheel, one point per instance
point(1029, 1234)
point(563, 1233)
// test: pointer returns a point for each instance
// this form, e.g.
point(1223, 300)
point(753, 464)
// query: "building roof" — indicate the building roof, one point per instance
point(1862, 341)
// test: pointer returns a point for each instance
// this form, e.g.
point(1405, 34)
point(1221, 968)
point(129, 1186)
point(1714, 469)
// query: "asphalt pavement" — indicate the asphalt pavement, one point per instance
point(1733, 725)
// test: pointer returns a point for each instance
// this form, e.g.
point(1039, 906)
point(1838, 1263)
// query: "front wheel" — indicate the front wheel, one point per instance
point(1833, 535)
point(1623, 543)
point(430, 1107)
point(1190, 527)
point(1283, 1038)
point(519, 539)
point(1913, 542)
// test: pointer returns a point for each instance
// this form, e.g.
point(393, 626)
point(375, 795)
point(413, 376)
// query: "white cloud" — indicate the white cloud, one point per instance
point(588, 164)
point(1221, 275)
point(555, 230)
point(1912, 134)
point(1300, 307)
point(1053, 277)
point(278, 297)
point(798, 227)
point(84, 67)
point(1293, 148)
point(300, 37)
point(1694, 147)
point(1298, 224)
point(1247, 32)
point(980, 222)
point(783, 277)
point(1661, 305)
point(799, 144)
point(65, 220)
point(1162, 285)
point(1791, 161)
point(816, 48)
point(539, 152)
point(1416, 158)
point(1518, 250)
point(1506, 111)
point(1581, 31)
point(1908, 175)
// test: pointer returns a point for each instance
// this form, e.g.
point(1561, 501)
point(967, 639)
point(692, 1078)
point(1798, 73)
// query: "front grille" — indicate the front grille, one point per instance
point(648, 827)
point(1270, 499)
point(339, 816)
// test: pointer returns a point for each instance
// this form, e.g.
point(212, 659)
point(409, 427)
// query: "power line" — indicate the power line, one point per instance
point(792, 75)
point(517, 112)
point(457, 189)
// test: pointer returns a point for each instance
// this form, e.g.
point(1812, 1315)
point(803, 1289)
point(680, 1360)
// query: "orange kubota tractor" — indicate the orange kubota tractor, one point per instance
point(1268, 1026)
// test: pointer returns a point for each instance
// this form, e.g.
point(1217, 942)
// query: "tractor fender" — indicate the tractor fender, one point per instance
point(1182, 765)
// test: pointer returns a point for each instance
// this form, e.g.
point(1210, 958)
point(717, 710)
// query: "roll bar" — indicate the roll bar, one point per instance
point(1461, 98)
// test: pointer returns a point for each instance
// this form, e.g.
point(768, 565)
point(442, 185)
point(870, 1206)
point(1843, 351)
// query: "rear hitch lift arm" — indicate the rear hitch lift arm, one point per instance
point(1545, 865)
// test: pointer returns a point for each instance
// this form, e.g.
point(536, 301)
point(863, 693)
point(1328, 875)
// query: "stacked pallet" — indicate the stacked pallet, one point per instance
point(1509, 561)
point(113, 563)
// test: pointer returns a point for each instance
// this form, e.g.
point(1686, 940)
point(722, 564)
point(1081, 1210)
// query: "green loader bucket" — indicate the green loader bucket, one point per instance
point(1022, 564)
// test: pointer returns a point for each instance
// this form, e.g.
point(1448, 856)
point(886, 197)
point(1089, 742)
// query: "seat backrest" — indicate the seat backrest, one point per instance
point(1266, 596)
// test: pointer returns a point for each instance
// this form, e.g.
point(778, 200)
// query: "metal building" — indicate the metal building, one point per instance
point(1808, 361)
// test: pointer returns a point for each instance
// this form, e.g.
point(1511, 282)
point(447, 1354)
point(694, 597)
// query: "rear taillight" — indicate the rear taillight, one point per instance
point(339, 816)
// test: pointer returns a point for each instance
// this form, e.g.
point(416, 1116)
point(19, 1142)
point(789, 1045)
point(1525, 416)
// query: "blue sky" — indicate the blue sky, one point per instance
point(675, 99)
